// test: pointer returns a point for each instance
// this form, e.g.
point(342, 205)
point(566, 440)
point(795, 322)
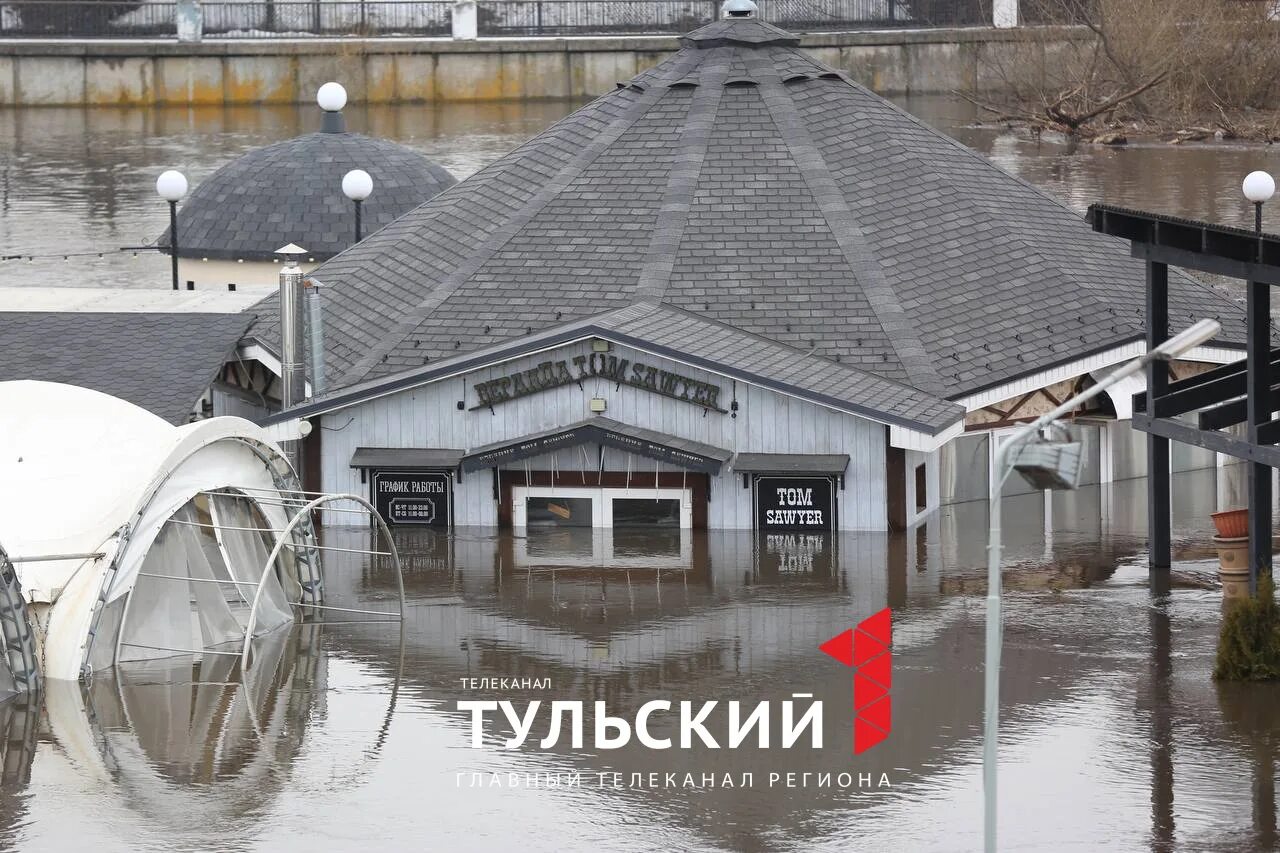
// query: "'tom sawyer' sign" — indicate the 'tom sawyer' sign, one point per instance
point(795, 503)
point(555, 374)
point(413, 497)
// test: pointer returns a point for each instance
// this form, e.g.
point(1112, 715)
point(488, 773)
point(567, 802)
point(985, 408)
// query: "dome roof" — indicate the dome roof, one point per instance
point(743, 181)
point(291, 192)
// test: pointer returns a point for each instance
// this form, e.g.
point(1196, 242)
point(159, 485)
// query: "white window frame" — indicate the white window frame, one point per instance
point(602, 525)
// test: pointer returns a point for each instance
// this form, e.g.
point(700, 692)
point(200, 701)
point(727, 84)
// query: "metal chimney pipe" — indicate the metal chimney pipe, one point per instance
point(292, 370)
point(315, 336)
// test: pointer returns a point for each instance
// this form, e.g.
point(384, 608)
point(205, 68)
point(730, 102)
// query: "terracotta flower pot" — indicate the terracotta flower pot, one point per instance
point(1232, 523)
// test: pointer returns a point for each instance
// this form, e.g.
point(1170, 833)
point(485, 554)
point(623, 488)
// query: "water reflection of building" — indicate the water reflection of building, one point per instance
point(741, 624)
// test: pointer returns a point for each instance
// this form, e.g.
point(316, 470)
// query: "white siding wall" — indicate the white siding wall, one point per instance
point(767, 422)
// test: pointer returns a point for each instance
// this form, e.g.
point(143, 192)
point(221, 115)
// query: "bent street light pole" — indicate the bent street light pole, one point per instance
point(1170, 349)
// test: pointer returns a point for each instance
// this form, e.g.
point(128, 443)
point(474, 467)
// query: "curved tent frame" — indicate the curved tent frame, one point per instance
point(286, 483)
point(305, 514)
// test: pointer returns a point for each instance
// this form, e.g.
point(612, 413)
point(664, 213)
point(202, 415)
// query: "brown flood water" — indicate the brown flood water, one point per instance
point(347, 735)
point(83, 180)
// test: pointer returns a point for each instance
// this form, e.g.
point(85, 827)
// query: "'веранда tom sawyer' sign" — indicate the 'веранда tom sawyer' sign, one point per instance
point(795, 503)
point(555, 374)
point(413, 497)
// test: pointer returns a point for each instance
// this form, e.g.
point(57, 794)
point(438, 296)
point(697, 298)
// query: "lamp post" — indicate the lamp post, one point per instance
point(172, 186)
point(357, 186)
point(1258, 187)
point(1167, 351)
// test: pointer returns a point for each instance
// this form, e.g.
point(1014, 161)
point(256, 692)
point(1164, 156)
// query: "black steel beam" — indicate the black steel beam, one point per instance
point(1219, 442)
point(1205, 240)
point(1159, 499)
point(1214, 264)
point(1222, 371)
point(1230, 413)
point(1269, 433)
point(1259, 405)
point(1180, 402)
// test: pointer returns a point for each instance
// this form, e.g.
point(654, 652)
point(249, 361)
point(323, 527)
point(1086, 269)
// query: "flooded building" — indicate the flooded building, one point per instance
point(291, 192)
point(181, 356)
point(741, 291)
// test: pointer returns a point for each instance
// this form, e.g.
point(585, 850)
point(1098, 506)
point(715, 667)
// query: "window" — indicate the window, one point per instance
point(584, 526)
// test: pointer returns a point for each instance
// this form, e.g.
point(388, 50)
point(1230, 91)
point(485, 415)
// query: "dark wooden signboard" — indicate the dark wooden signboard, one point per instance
point(413, 497)
point(795, 503)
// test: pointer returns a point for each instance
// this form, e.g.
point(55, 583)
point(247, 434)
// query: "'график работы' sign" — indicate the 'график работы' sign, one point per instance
point(412, 497)
point(795, 503)
point(555, 374)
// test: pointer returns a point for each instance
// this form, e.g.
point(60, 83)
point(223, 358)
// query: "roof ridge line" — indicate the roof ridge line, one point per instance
point(500, 236)
point(802, 353)
point(682, 181)
point(845, 230)
point(508, 229)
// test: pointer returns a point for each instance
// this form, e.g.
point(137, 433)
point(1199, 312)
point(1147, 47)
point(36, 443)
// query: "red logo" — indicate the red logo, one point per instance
point(866, 649)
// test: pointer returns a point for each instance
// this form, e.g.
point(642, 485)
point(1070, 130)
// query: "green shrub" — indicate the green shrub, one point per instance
point(1249, 646)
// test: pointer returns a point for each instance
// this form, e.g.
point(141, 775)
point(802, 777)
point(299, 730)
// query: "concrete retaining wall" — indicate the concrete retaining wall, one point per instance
point(230, 72)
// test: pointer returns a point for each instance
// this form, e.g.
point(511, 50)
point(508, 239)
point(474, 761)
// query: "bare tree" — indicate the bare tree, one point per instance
point(1186, 68)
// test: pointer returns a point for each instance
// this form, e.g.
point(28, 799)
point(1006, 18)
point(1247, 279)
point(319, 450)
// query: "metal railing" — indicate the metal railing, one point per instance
point(585, 17)
point(88, 19)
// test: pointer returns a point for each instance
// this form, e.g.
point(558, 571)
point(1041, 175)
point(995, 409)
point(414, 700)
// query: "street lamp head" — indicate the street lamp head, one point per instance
point(171, 185)
point(1259, 187)
point(357, 185)
point(331, 97)
point(1188, 339)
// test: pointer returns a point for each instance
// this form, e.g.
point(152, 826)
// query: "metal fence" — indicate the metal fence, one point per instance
point(87, 19)
point(585, 17)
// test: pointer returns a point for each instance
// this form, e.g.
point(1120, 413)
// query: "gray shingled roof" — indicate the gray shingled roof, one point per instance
point(161, 362)
point(684, 336)
point(743, 182)
point(291, 192)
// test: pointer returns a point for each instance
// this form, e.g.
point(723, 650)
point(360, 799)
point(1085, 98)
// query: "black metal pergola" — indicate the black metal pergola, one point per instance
point(1242, 392)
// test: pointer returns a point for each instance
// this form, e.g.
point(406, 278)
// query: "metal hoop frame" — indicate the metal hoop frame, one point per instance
point(269, 458)
point(280, 543)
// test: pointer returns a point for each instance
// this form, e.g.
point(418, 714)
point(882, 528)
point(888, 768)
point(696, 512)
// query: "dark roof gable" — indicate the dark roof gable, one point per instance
point(161, 362)
point(745, 183)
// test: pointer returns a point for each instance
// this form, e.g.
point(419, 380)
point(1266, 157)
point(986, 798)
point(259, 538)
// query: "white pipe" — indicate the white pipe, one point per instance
point(1170, 349)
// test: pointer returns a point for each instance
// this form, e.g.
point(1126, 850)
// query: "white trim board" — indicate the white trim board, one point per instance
point(1097, 362)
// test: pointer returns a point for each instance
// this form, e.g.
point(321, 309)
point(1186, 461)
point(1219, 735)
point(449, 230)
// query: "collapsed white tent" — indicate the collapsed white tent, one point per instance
point(134, 539)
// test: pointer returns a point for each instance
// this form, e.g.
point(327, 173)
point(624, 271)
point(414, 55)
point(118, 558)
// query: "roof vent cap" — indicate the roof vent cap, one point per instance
point(738, 9)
